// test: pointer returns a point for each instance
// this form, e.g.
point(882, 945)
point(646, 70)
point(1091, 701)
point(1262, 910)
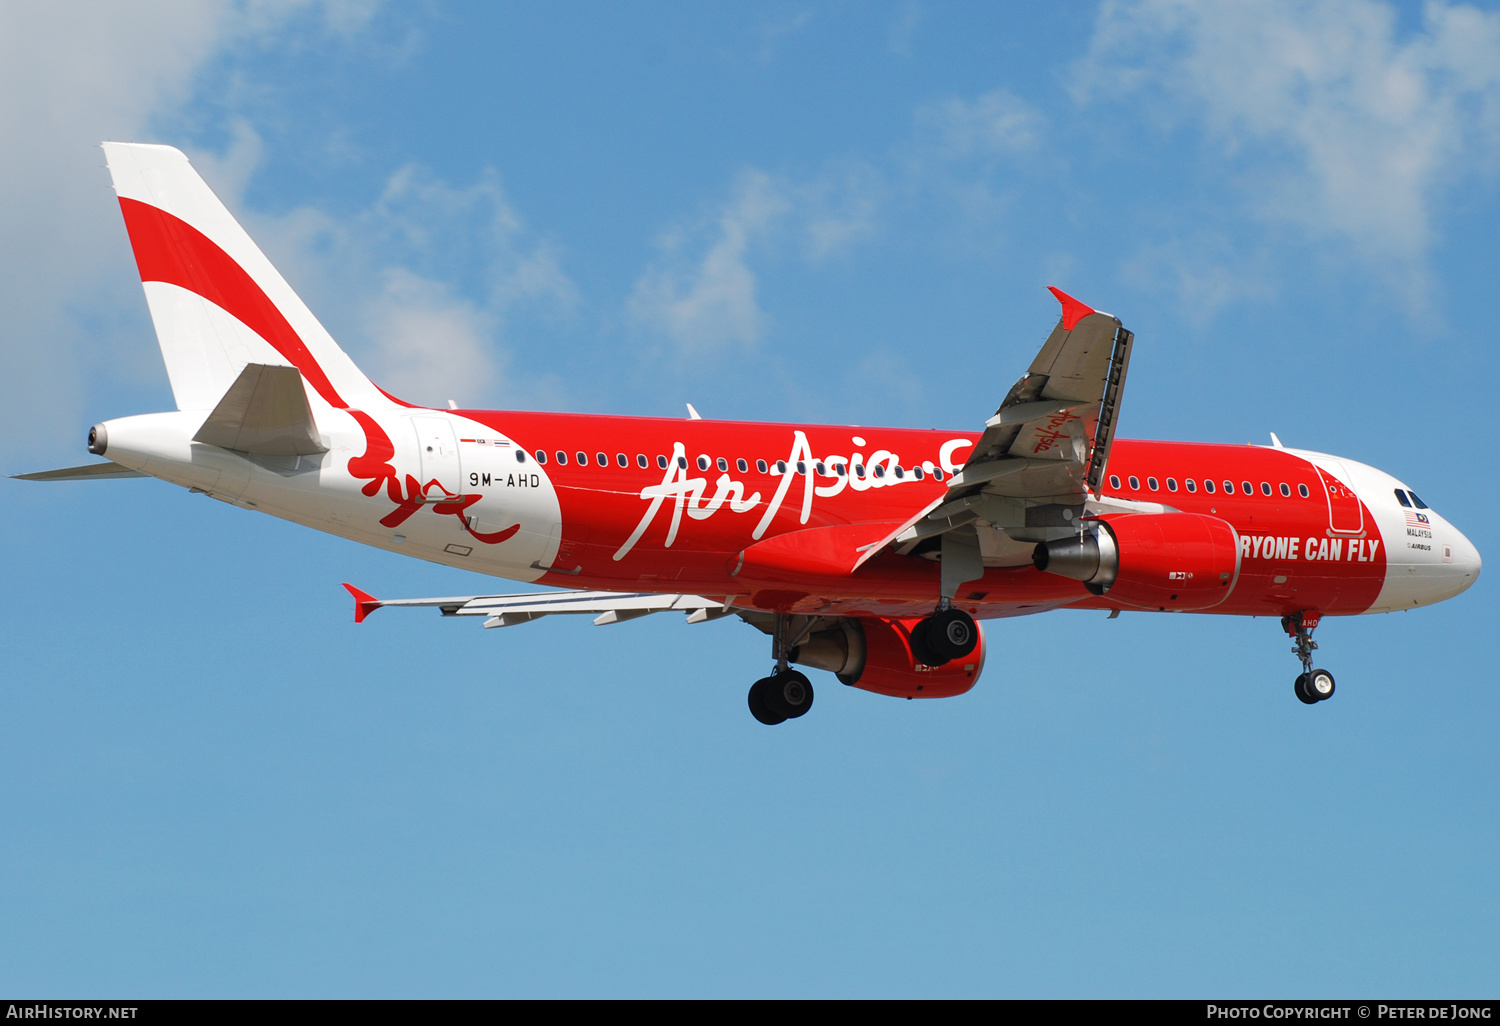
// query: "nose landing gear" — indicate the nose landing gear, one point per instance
point(1312, 685)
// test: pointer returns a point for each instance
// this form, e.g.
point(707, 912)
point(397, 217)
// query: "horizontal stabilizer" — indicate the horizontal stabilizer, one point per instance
point(91, 472)
point(265, 412)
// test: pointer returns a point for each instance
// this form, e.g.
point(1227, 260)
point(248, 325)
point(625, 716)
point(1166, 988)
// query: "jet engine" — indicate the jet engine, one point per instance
point(875, 654)
point(1161, 561)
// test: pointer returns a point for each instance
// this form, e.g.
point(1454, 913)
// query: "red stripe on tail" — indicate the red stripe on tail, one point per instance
point(168, 249)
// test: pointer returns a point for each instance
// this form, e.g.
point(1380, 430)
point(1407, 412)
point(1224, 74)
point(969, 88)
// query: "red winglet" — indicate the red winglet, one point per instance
point(1073, 310)
point(364, 604)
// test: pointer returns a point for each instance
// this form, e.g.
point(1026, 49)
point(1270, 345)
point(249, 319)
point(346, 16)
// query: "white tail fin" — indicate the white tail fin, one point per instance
point(215, 299)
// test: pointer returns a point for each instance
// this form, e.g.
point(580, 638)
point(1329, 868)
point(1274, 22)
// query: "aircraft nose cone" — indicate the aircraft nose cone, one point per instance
point(1466, 563)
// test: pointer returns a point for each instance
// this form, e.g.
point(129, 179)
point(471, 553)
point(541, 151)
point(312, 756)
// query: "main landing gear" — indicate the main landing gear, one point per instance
point(946, 635)
point(787, 693)
point(1312, 686)
point(784, 695)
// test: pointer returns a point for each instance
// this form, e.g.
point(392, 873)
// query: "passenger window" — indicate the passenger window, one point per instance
point(1302, 490)
point(1265, 488)
point(744, 467)
point(1286, 490)
point(1190, 485)
point(1151, 483)
point(1401, 498)
point(583, 458)
point(880, 470)
point(838, 468)
point(1208, 485)
point(1416, 501)
point(917, 473)
point(760, 465)
point(859, 470)
point(541, 455)
point(781, 467)
point(682, 463)
point(1228, 487)
point(1135, 482)
point(937, 473)
point(622, 460)
point(601, 459)
point(821, 468)
point(641, 461)
point(1114, 481)
point(661, 462)
point(900, 473)
point(562, 458)
point(723, 464)
point(520, 455)
point(1249, 490)
point(702, 462)
point(801, 467)
point(1171, 484)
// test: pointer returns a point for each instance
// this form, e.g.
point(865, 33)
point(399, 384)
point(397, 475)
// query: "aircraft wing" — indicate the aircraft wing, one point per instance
point(1045, 450)
point(508, 610)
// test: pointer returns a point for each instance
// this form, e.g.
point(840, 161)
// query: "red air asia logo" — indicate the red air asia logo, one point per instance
point(409, 495)
point(169, 250)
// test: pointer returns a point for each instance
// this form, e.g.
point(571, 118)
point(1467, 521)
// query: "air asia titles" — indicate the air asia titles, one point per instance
point(883, 469)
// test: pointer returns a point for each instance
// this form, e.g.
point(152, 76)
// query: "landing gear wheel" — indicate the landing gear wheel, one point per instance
point(758, 703)
point(788, 694)
point(1314, 687)
point(950, 634)
point(921, 651)
point(1300, 687)
point(1320, 684)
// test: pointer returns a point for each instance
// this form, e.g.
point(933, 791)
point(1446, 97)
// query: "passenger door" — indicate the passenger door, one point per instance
point(438, 448)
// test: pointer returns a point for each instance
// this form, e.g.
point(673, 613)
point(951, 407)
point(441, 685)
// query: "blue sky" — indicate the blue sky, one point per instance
point(214, 783)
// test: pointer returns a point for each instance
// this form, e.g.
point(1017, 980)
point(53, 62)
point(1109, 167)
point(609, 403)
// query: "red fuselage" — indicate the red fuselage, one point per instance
point(1325, 549)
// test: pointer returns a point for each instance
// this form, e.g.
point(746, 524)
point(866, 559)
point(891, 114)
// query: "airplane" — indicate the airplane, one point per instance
point(867, 552)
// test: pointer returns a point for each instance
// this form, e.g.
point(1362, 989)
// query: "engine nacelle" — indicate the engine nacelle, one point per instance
point(875, 654)
point(1165, 561)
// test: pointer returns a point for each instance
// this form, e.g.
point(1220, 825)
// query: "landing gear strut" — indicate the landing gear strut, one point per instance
point(946, 635)
point(787, 693)
point(1312, 685)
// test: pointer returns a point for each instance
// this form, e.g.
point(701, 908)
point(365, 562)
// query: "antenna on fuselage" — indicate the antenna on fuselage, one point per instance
point(693, 414)
point(1276, 441)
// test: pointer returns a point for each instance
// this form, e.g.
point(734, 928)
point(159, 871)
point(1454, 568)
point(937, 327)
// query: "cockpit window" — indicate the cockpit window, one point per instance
point(1401, 498)
point(1416, 501)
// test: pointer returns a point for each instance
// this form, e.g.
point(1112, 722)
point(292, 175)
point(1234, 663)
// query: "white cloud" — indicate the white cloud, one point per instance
point(1329, 115)
point(702, 293)
point(904, 28)
point(773, 32)
point(421, 286)
point(429, 342)
point(705, 306)
point(996, 123)
point(72, 75)
point(841, 209)
point(1203, 270)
